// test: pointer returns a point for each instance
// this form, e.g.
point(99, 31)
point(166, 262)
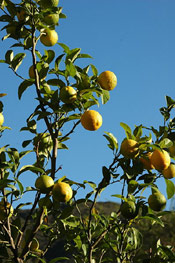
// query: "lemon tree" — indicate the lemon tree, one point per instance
point(70, 95)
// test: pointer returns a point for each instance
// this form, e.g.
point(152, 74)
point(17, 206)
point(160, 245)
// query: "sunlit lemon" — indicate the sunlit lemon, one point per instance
point(146, 161)
point(129, 148)
point(68, 94)
point(62, 192)
point(107, 80)
point(91, 120)
point(169, 173)
point(49, 37)
point(160, 159)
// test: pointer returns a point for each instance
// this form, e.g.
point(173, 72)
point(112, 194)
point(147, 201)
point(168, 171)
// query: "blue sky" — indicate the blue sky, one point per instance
point(134, 39)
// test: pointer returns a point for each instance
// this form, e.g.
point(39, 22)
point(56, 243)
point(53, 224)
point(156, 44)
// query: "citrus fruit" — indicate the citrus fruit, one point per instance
point(42, 141)
point(32, 73)
point(91, 120)
point(45, 201)
point(160, 159)
point(169, 172)
point(49, 3)
point(172, 150)
point(21, 15)
point(51, 19)
point(1, 119)
point(145, 160)
point(62, 192)
point(129, 148)
point(34, 244)
point(49, 37)
point(68, 94)
point(128, 209)
point(44, 183)
point(132, 186)
point(107, 80)
point(157, 201)
point(6, 210)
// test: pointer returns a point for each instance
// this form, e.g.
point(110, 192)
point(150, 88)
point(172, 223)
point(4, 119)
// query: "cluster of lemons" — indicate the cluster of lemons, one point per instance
point(158, 159)
point(60, 191)
point(91, 120)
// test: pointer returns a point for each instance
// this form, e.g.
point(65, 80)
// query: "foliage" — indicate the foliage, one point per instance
point(91, 237)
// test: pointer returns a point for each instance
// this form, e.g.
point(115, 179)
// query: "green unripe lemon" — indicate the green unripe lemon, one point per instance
point(128, 209)
point(68, 94)
point(157, 201)
point(44, 183)
point(49, 3)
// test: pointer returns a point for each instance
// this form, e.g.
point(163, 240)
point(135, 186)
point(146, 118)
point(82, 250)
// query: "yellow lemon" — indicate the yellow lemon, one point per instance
point(91, 120)
point(146, 161)
point(160, 159)
point(107, 80)
point(62, 192)
point(49, 37)
point(129, 148)
point(169, 172)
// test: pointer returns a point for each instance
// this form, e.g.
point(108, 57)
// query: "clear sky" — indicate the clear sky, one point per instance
point(134, 39)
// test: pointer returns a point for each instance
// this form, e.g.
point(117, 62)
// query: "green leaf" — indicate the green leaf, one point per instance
point(127, 130)
point(21, 188)
point(92, 184)
point(120, 196)
point(153, 218)
point(105, 96)
point(17, 60)
point(31, 168)
point(56, 82)
point(49, 56)
point(170, 188)
point(138, 131)
point(168, 252)
point(58, 60)
point(165, 143)
point(84, 56)
point(23, 86)
point(26, 143)
point(94, 70)
point(70, 70)
point(57, 259)
point(65, 47)
point(72, 55)
point(133, 239)
point(62, 15)
point(170, 101)
point(113, 143)
point(9, 56)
